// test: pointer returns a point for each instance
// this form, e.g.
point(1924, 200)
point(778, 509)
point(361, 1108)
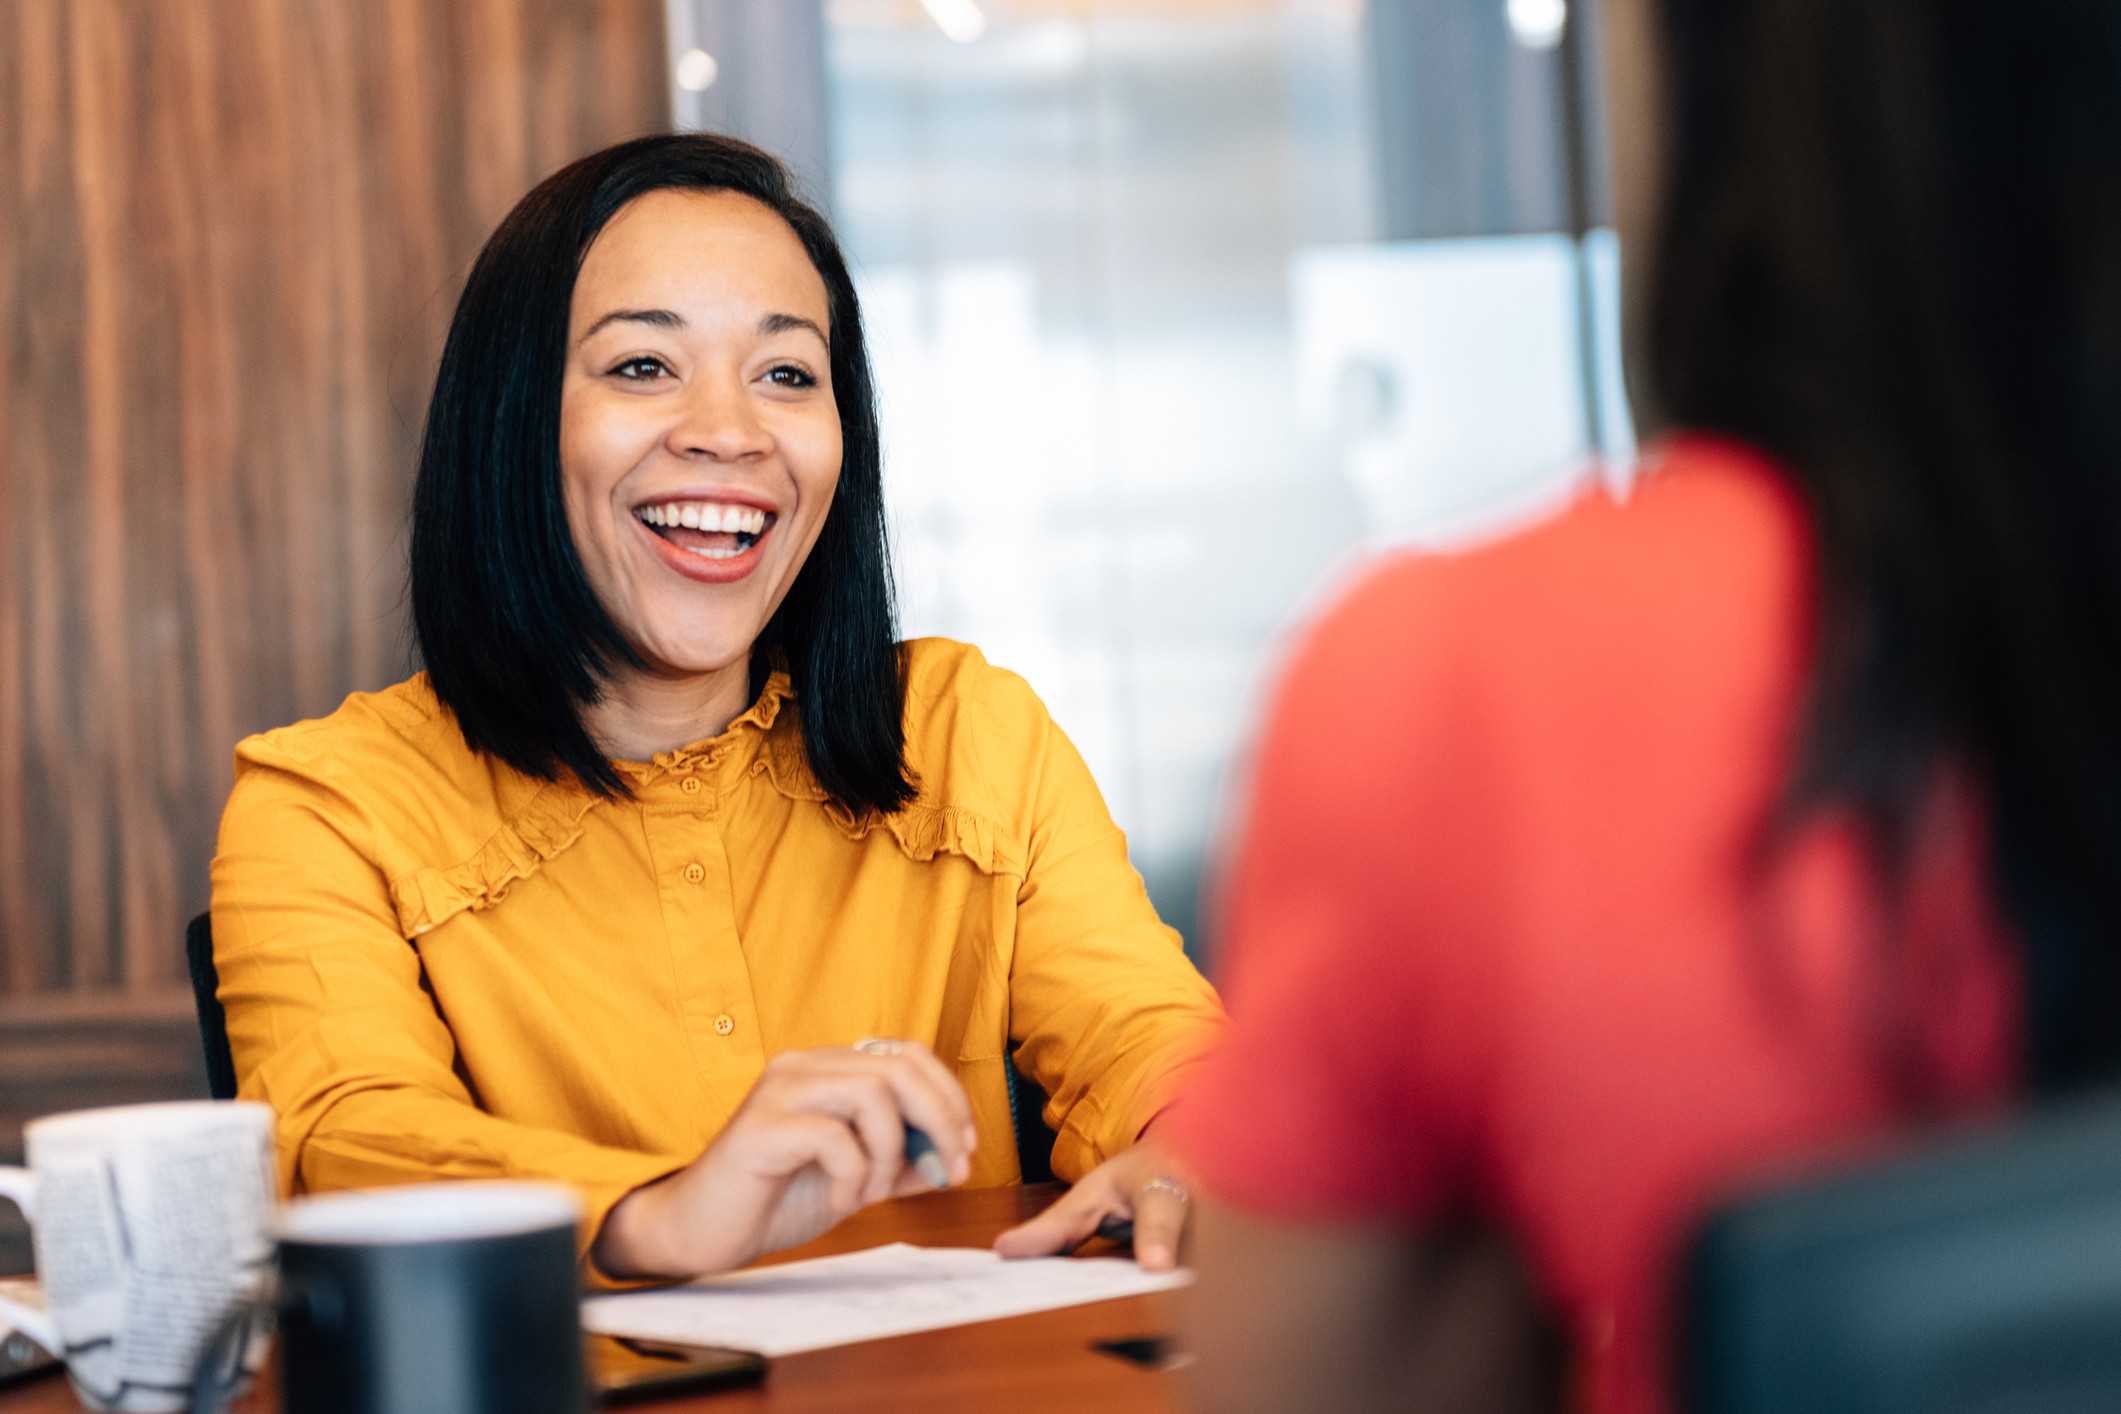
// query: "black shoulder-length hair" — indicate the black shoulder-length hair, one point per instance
point(1890, 254)
point(514, 640)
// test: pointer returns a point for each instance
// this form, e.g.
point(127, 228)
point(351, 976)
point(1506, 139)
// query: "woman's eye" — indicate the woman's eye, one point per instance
point(787, 375)
point(640, 370)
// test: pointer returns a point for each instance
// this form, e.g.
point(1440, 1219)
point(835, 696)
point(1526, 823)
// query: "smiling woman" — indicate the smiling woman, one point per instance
point(676, 877)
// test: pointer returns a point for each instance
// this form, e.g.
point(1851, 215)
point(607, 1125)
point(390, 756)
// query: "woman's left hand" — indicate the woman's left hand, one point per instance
point(1142, 1185)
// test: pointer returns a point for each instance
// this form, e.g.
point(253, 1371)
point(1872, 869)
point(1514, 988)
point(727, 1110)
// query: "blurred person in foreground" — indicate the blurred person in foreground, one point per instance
point(1742, 824)
point(675, 877)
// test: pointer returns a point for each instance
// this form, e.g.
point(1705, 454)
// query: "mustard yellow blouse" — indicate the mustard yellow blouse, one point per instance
point(436, 967)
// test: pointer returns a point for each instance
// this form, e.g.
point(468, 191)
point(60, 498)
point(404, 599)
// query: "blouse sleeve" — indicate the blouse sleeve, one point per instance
point(1354, 924)
point(330, 1024)
point(1110, 1017)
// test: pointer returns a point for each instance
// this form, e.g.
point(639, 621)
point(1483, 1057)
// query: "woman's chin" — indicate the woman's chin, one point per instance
point(694, 659)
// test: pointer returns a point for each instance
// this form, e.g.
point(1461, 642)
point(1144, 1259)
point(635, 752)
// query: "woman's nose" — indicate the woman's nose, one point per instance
point(719, 423)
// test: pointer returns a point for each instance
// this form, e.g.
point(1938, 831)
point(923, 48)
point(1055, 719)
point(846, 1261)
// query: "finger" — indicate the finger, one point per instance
point(1160, 1217)
point(946, 1083)
point(1066, 1225)
point(782, 1149)
point(928, 1096)
point(874, 1112)
point(865, 1101)
point(831, 1145)
point(880, 1095)
point(936, 1102)
point(938, 1074)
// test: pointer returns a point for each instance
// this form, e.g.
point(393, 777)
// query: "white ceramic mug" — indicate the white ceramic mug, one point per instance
point(150, 1224)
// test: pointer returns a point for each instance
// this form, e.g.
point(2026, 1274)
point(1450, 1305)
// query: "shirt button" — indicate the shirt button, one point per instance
point(694, 873)
point(690, 785)
point(724, 1024)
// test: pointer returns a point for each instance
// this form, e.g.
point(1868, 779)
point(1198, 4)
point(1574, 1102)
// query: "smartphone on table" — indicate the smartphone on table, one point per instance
point(623, 1369)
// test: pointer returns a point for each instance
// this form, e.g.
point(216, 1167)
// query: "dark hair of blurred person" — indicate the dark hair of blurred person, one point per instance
point(1755, 818)
point(1887, 256)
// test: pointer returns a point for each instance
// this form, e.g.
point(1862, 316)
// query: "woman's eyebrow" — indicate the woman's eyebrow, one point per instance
point(660, 318)
point(786, 323)
point(671, 319)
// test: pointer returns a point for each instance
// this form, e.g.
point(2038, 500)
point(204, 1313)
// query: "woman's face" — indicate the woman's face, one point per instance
point(699, 437)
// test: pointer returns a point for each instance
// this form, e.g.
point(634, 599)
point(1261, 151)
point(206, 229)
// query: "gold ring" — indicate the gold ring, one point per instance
point(880, 1046)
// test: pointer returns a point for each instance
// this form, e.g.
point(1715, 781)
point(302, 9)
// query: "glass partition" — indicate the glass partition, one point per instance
point(1175, 323)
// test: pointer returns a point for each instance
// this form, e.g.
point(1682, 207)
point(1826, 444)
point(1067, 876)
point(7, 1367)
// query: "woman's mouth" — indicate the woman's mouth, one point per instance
point(714, 542)
point(713, 530)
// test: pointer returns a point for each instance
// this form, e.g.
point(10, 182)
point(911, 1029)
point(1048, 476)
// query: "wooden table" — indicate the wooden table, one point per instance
point(1023, 1365)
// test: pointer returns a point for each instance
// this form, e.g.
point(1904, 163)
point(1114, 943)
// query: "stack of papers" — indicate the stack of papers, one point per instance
point(885, 1291)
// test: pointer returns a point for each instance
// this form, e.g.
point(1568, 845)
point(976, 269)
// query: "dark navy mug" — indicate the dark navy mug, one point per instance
point(441, 1298)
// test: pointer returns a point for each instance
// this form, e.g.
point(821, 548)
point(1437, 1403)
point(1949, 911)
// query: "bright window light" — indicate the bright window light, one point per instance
point(962, 20)
point(697, 70)
point(1538, 24)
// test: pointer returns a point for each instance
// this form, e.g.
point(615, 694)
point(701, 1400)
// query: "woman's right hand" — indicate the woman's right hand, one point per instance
point(821, 1134)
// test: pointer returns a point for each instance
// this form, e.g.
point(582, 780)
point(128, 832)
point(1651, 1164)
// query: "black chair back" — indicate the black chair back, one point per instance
point(1973, 1275)
point(1027, 1116)
point(205, 995)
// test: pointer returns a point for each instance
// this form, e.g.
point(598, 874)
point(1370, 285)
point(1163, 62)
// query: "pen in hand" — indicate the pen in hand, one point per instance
point(921, 1153)
point(926, 1159)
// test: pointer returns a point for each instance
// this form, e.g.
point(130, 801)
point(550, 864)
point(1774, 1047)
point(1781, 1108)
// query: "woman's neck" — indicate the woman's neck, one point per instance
point(643, 713)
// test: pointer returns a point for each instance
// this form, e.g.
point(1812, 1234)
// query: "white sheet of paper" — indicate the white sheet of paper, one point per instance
point(884, 1291)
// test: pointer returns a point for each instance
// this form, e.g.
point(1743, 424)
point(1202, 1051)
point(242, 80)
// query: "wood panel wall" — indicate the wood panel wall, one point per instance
point(231, 235)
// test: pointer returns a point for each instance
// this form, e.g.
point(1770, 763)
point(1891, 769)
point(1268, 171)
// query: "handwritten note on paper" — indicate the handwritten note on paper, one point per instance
point(885, 1291)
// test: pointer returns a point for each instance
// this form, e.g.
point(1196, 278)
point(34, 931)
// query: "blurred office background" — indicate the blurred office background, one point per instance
point(1180, 307)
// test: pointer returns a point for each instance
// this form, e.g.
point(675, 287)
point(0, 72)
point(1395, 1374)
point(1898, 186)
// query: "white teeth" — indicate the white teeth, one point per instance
point(707, 515)
point(713, 554)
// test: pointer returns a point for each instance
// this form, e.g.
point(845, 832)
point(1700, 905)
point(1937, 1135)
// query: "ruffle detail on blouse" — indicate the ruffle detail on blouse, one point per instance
point(759, 716)
point(924, 831)
point(425, 899)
